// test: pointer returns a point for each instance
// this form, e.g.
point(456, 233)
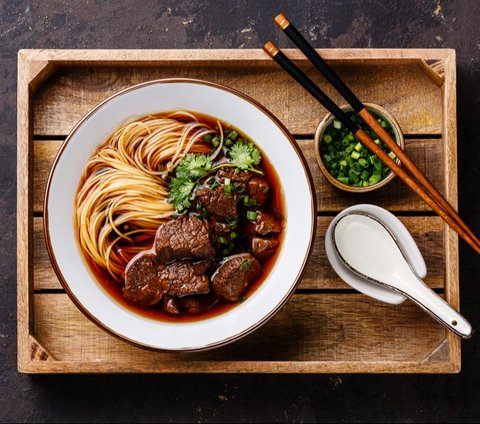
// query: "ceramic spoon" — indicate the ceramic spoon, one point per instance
point(370, 250)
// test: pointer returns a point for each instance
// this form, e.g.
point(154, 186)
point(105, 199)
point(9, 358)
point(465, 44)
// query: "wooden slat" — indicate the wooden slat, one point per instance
point(44, 152)
point(427, 231)
point(452, 292)
point(397, 196)
point(24, 212)
point(214, 57)
point(405, 90)
point(323, 327)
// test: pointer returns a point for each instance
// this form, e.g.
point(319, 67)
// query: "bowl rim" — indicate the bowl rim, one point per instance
point(313, 206)
point(318, 138)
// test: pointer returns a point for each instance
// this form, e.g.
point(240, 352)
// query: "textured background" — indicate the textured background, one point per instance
point(240, 24)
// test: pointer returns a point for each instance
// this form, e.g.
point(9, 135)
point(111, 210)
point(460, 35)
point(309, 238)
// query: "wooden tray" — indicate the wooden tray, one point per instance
point(325, 327)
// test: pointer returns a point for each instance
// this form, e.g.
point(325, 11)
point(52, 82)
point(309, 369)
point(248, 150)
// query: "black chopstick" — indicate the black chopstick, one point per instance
point(318, 94)
point(318, 62)
point(361, 110)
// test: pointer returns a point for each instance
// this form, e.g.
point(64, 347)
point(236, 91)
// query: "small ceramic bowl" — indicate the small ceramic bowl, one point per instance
point(378, 110)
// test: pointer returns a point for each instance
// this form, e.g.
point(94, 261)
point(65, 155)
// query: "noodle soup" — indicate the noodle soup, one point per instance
point(158, 176)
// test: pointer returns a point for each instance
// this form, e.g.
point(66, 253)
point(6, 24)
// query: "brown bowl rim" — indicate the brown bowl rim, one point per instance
point(318, 137)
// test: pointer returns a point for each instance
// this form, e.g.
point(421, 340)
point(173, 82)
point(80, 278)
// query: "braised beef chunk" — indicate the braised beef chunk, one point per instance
point(234, 276)
point(171, 305)
point(236, 176)
point(200, 267)
point(184, 238)
point(217, 202)
point(248, 229)
point(219, 229)
point(264, 248)
point(258, 190)
point(143, 285)
point(266, 223)
point(195, 305)
point(183, 279)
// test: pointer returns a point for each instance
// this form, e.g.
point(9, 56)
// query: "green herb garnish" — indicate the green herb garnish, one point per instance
point(194, 166)
point(245, 155)
point(251, 215)
point(244, 265)
point(187, 173)
point(180, 190)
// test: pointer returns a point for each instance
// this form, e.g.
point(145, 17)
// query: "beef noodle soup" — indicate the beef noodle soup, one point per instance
point(179, 216)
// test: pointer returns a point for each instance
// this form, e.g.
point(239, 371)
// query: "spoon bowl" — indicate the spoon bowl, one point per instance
point(404, 239)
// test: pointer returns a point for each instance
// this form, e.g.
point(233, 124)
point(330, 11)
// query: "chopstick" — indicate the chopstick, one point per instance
point(289, 29)
point(319, 95)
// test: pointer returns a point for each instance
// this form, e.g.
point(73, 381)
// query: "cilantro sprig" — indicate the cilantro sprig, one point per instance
point(180, 190)
point(245, 155)
point(188, 172)
point(194, 166)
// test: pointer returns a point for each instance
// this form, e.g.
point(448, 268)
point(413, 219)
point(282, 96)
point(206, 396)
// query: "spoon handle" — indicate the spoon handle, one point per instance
point(433, 304)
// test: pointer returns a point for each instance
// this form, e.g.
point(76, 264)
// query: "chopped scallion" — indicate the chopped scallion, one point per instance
point(233, 135)
point(374, 179)
point(364, 175)
point(363, 162)
point(347, 159)
point(228, 189)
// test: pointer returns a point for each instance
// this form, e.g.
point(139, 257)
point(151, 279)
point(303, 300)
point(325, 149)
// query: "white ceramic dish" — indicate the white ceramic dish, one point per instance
point(214, 100)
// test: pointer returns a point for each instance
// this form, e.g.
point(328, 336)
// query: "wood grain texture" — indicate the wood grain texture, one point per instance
point(452, 292)
point(24, 218)
point(350, 333)
point(428, 233)
point(395, 196)
point(406, 91)
point(194, 57)
point(316, 331)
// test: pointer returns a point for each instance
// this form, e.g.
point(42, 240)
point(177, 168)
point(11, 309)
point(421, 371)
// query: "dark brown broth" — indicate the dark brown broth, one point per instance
point(276, 205)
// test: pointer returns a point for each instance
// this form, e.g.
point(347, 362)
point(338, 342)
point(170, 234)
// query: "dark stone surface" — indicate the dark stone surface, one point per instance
point(237, 24)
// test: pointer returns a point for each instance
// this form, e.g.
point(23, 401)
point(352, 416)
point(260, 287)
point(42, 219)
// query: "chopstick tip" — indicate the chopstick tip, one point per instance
point(281, 21)
point(271, 48)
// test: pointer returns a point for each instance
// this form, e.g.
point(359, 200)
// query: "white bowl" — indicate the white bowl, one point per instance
point(232, 107)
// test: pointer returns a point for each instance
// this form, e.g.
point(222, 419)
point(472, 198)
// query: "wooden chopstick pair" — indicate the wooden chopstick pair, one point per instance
point(426, 190)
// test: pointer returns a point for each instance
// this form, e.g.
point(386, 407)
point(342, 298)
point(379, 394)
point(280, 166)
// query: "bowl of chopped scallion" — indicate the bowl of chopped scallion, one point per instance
point(344, 161)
